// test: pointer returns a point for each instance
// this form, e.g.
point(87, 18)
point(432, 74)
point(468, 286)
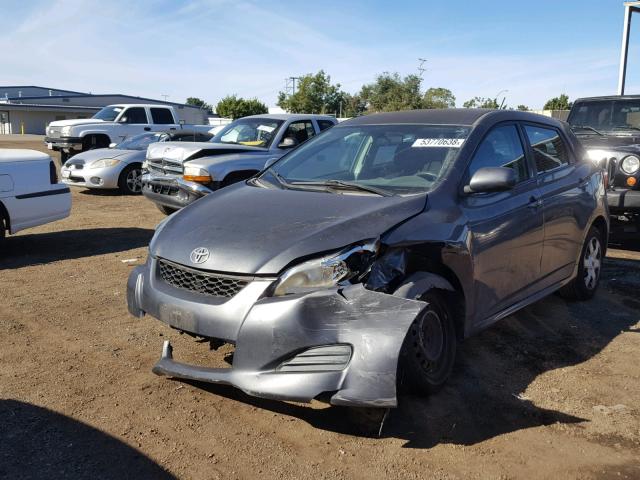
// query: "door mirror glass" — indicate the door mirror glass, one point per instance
point(492, 179)
point(288, 142)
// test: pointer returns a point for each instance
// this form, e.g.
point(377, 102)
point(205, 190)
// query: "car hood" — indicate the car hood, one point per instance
point(77, 121)
point(609, 141)
point(100, 153)
point(252, 230)
point(183, 151)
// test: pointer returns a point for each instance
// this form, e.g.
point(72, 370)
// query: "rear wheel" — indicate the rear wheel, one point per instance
point(585, 284)
point(166, 210)
point(130, 180)
point(3, 227)
point(429, 349)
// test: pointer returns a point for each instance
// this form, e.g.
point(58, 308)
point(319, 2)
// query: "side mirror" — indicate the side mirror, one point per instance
point(181, 122)
point(491, 179)
point(112, 145)
point(288, 142)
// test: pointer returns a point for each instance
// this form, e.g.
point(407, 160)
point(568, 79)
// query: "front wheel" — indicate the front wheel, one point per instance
point(585, 284)
point(429, 349)
point(130, 180)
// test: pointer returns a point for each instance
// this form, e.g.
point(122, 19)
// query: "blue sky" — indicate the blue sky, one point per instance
point(211, 48)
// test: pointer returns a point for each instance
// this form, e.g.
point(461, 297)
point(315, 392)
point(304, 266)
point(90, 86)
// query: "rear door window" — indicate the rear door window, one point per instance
point(549, 149)
point(501, 148)
point(300, 131)
point(161, 116)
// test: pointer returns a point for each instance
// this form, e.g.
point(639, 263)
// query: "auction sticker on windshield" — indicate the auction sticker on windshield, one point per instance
point(438, 142)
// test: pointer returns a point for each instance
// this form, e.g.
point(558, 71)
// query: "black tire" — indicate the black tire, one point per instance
point(429, 349)
point(129, 181)
point(64, 156)
point(166, 210)
point(585, 284)
point(3, 227)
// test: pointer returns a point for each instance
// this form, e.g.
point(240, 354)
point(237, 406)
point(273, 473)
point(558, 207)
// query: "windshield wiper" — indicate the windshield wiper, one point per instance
point(347, 185)
point(281, 180)
point(587, 127)
point(625, 127)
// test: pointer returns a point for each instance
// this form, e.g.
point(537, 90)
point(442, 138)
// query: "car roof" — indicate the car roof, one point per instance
point(292, 116)
point(21, 155)
point(448, 116)
point(607, 97)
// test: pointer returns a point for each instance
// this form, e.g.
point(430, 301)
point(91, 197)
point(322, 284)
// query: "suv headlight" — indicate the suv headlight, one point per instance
point(196, 174)
point(326, 272)
point(104, 163)
point(65, 131)
point(630, 164)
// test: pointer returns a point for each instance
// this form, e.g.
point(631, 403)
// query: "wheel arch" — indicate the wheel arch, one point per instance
point(237, 175)
point(4, 213)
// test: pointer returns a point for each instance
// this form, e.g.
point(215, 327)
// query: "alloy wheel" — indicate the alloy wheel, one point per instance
point(592, 262)
point(134, 181)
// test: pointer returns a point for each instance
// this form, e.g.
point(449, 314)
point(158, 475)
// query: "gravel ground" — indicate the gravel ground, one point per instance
point(551, 392)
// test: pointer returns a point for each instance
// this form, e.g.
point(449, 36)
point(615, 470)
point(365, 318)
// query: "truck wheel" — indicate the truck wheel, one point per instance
point(64, 156)
point(166, 210)
point(429, 349)
point(3, 227)
point(130, 180)
point(585, 284)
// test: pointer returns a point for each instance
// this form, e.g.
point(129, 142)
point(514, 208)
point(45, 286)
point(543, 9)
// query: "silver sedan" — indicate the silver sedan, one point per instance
point(119, 166)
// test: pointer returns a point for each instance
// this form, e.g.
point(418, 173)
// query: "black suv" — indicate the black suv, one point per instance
point(609, 129)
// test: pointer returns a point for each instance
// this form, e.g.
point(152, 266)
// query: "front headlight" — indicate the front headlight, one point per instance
point(630, 164)
point(65, 131)
point(104, 163)
point(196, 174)
point(326, 272)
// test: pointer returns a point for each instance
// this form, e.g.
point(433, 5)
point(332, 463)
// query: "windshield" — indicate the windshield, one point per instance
point(255, 132)
point(142, 141)
point(606, 115)
point(396, 159)
point(108, 114)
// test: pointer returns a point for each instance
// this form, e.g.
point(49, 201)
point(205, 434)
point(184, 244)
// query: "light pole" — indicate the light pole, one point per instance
point(629, 8)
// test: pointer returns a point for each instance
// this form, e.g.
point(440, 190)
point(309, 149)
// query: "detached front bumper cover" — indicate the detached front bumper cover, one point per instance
point(346, 342)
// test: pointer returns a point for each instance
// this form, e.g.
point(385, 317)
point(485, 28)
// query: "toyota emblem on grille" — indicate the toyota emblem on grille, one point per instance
point(199, 255)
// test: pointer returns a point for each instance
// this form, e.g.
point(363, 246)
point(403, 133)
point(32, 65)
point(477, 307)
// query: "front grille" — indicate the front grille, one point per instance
point(199, 281)
point(75, 165)
point(163, 189)
point(165, 166)
point(76, 179)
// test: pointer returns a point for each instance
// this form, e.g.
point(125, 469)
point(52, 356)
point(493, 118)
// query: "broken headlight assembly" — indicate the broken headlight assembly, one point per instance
point(348, 265)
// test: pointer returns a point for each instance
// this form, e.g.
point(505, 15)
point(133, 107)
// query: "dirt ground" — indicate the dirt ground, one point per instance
point(552, 392)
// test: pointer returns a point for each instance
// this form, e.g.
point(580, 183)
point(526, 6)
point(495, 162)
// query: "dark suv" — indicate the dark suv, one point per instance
point(609, 128)
point(372, 248)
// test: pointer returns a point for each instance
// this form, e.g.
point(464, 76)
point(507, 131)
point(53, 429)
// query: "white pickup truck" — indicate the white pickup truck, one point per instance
point(112, 124)
point(30, 194)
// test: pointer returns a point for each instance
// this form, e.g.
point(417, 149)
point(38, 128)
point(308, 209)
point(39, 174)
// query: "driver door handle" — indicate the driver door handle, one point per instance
point(534, 202)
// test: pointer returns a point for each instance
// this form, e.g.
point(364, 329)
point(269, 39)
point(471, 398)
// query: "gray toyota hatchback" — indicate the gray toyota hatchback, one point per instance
point(353, 265)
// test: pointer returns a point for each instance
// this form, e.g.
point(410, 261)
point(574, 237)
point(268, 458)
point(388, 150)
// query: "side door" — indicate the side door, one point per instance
point(506, 228)
point(567, 199)
point(163, 116)
point(132, 122)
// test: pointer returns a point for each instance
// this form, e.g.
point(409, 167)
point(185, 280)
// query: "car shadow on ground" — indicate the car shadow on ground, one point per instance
point(38, 248)
point(39, 443)
point(486, 396)
point(100, 192)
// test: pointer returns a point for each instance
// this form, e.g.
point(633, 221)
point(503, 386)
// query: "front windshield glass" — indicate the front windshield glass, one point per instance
point(255, 132)
point(108, 114)
point(606, 115)
point(142, 141)
point(393, 159)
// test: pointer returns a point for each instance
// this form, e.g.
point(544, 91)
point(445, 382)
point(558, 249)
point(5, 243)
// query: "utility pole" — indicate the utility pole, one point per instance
point(629, 9)
point(421, 67)
point(290, 85)
point(165, 96)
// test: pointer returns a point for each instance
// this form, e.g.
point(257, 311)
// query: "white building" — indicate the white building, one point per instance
point(29, 109)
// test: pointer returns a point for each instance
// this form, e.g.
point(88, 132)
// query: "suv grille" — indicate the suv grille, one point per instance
point(199, 281)
point(163, 166)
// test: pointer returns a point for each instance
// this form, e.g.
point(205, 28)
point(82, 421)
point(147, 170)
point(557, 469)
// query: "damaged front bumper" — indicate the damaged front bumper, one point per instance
point(172, 191)
point(345, 342)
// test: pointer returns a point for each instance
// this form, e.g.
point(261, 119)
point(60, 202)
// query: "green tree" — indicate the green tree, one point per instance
point(481, 102)
point(314, 94)
point(352, 105)
point(390, 93)
point(558, 103)
point(522, 108)
point(235, 107)
point(438, 98)
point(199, 103)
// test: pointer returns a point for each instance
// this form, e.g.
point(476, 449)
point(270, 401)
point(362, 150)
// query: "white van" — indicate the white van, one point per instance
point(30, 194)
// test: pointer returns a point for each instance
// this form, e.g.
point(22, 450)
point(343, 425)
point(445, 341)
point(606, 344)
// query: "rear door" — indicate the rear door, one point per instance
point(564, 186)
point(506, 228)
point(163, 116)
